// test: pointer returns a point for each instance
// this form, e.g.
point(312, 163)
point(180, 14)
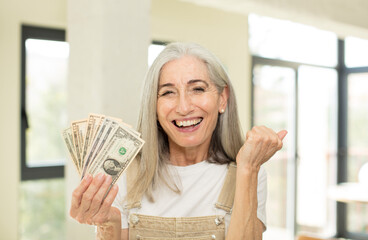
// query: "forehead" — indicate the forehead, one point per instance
point(183, 70)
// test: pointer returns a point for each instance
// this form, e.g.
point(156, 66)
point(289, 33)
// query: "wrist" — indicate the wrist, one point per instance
point(111, 229)
point(247, 169)
point(115, 217)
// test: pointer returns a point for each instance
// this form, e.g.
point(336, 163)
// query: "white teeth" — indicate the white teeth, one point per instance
point(188, 123)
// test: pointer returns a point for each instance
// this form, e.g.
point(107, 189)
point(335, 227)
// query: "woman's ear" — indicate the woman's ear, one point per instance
point(224, 96)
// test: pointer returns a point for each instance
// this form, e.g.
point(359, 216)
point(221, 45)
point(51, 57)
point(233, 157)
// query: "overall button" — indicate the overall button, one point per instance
point(213, 237)
point(219, 220)
point(134, 219)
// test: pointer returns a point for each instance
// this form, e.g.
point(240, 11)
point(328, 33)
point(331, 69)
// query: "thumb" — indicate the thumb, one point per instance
point(282, 134)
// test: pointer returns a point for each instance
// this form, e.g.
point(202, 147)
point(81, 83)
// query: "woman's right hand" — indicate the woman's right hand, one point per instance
point(88, 203)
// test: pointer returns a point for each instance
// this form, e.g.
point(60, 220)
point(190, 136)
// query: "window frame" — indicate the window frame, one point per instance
point(45, 172)
point(342, 131)
point(342, 166)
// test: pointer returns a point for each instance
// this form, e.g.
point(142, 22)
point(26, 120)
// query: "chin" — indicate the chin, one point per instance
point(190, 143)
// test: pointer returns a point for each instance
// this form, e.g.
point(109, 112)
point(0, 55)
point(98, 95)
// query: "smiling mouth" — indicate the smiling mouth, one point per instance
point(188, 123)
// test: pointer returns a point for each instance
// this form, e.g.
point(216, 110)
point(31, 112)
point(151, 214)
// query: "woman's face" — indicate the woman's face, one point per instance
point(188, 102)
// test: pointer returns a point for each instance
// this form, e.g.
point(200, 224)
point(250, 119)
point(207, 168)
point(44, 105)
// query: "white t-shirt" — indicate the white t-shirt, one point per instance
point(200, 186)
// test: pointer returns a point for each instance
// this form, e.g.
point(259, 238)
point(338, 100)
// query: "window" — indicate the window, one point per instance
point(356, 80)
point(274, 92)
point(43, 105)
point(295, 88)
point(43, 115)
point(307, 81)
point(154, 50)
point(356, 52)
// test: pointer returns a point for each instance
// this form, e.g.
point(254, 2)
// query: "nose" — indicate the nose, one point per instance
point(184, 104)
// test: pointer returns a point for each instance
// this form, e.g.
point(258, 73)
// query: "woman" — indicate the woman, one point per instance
point(184, 184)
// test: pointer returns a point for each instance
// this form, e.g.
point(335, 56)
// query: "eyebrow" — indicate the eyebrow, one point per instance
point(190, 82)
point(198, 81)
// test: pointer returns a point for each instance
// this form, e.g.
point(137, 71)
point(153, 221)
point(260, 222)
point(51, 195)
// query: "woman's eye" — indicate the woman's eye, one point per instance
point(165, 93)
point(198, 89)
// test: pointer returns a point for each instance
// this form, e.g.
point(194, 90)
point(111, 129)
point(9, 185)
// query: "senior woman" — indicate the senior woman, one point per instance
point(195, 178)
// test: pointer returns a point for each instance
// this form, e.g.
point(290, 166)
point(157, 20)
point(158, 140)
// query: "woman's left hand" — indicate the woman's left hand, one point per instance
point(260, 145)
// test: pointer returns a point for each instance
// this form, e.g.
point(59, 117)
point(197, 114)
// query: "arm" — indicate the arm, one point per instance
point(124, 234)
point(110, 230)
point(90, 207)
point(244, 223)
point(260, 145)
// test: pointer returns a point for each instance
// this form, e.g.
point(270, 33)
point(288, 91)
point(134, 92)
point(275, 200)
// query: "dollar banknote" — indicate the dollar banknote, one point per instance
point(78, 133)
point(117, 154)
point(101, 144)
point(68, 140)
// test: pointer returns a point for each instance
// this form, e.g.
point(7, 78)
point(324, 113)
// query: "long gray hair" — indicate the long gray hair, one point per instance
point(227, 137)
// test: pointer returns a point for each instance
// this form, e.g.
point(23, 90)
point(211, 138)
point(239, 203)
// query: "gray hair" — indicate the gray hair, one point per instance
point(226, 140)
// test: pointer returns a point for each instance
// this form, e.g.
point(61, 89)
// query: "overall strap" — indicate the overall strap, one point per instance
point(226, 199)
point(132, 171)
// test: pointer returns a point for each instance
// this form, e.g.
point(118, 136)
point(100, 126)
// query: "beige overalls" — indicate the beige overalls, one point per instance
point(196, 228)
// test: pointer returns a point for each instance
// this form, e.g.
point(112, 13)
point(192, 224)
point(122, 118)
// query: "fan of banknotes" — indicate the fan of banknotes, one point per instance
point(101, 144)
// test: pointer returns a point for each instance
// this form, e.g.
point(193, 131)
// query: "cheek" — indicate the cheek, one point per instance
point(163, 109)
point(159, 114)
point(209, 104)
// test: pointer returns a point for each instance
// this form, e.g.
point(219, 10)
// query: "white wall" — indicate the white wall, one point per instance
point(12, 15)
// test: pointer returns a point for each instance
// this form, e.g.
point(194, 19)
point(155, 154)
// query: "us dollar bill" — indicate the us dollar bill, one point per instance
point(89, 141)
point(97, 127)
point(102, 137)
point(78, 129)
point(93, 120)
point(68, 140)
point(116, 156)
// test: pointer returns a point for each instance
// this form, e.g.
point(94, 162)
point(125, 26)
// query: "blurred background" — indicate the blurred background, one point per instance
point(295, 65)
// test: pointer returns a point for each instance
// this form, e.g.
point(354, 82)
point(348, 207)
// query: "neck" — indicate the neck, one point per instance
point(185, 156)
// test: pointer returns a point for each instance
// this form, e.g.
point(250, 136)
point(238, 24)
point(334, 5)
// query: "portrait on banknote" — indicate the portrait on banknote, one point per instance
point(111, 166)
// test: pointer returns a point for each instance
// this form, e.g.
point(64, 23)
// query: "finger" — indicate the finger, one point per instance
point(276, 141)
point(282, 134)
point(91, 191)
point(267, 135)
point(79, 191)
point(98, 198)
point(272, 142)
point(105, 208)
point(252, 148)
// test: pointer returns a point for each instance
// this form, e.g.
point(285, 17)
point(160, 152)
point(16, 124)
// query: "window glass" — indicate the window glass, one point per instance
point(356, 52)
point(280, 39)
point(317, 150)
point(153, 51)
point(274, 89)
point(357, 147)
point(357, 124)
point(46, 94)
point(42, 209)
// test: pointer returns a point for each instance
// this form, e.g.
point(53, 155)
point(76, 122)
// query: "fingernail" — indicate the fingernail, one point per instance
point(108, 178)
point(87, 177)
point(100, 176)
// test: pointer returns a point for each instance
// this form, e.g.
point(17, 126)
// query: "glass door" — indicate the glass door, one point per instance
point(303, 100)
point(357, 213)
point(317, 150)
point(274, 107)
